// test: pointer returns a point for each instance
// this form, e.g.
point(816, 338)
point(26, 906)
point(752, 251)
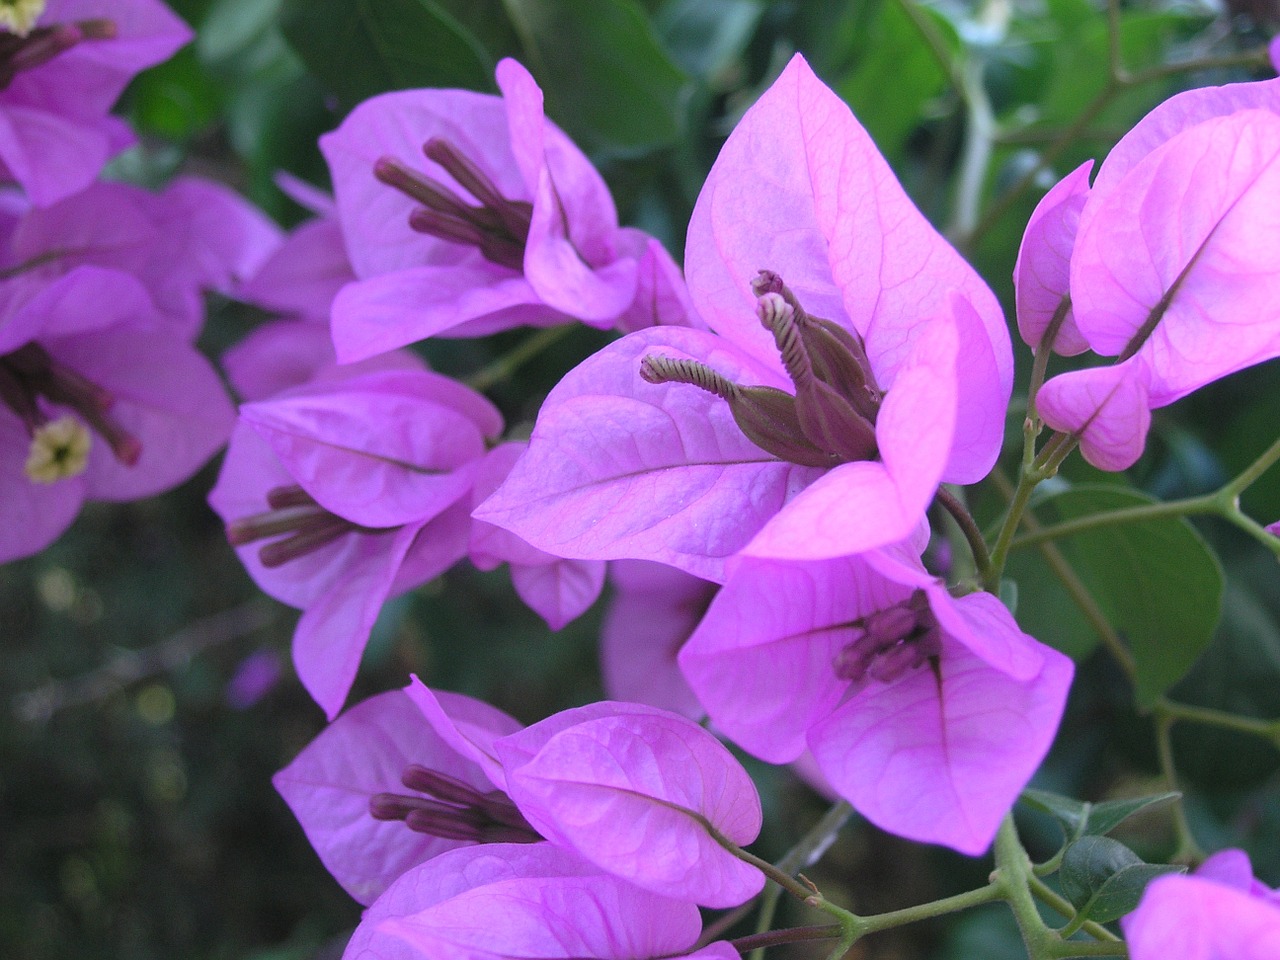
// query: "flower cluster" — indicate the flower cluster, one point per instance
point(624, 808)
point(102, 394)
point(757, 453)
point(1170, 270)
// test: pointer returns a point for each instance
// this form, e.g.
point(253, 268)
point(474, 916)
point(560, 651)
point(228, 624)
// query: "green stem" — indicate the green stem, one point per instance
point(937, 908)
point(784, 880)
point(1062, 906)
point(760, 941)
point(1224, 502)
point(1266, 729)
point(969, 527)
point(1188, 849)
point(810, 847)
point(1013, 875)
point(512, 360)
point(1076, 589)
point(1153, 511)
point(1020, 497)
point(1251, 473)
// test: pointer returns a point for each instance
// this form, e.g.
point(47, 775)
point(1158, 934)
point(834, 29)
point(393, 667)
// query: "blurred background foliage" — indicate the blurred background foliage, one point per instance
point(142, 723)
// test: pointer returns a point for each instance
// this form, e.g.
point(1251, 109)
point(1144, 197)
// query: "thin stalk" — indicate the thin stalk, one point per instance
point(1154, 511)
point(757, 942)
point(1013, 875)
point(937, 908)
point(1062, 906)
point(512, 360)
point(811, 846)
point(1188, 849)
point(1076, 589)
point(969, 527)
point(1266, 729)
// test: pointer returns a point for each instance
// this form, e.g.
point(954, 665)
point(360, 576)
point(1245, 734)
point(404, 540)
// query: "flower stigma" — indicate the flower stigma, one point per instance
point(891, 642)
point(448, 808)
point(59, 449)
point(30, 381)
point(498, 227)
point(830, 419)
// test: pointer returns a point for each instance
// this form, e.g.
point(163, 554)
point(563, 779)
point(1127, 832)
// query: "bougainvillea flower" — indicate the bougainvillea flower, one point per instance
point(1222, 911)
point(1176, 266)
point(819, 417)
point(1042, 273)
point(502, 902)
point(194, 236)
point(466, 213)
point(362, 486)
point(61, 76)
point(305, 272)
point(98, 400)
point(632, 788)
point(652, 611)
point(928, 713)
point(556, 589)
point(382, 756)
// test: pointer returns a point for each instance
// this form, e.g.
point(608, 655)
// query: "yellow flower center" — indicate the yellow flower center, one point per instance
point(59, 449)
point(20, 16)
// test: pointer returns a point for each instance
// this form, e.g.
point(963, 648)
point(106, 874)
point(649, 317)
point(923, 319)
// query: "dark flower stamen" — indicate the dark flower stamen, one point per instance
point(294, 512)
point(19, 52)
point(453, 810)
point(29, 375)
point(890, 642)
point(830, 419)
point(498, 227)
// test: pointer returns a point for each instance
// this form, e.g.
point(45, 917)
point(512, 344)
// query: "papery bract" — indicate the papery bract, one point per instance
point(799, 205)
point(1041, 275)
point(1175, 265)
point(365, 752)
point(558, 590)
point(631, 788)
point(494, 902)
point(194, 236)
point(144, 409)
point(55, 130)
point(928, 714)
point(1220, 912)
point(370, 479)
point(652, 612)
point(544, 247)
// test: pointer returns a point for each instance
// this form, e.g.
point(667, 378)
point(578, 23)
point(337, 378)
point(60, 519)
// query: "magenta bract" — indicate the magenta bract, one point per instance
point(505, 902)
point(1175, 265)
point(88, 349)
point(366, 481)
point(630, 788)
point(1221, 911)
point(548, 249)
point(798, 190)
point(929, 714)
point(55, 130)
point(363, 753)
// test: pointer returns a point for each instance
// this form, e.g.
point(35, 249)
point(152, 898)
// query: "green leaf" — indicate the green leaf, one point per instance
point(1157, 582)
point(359, 48)
point(1066, 810)
point(892, 56)
point(1240, 673)
point(1106, 816)
point(1081, 818)
point(1104, 879)
point(705, 36)
point(605, 78)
